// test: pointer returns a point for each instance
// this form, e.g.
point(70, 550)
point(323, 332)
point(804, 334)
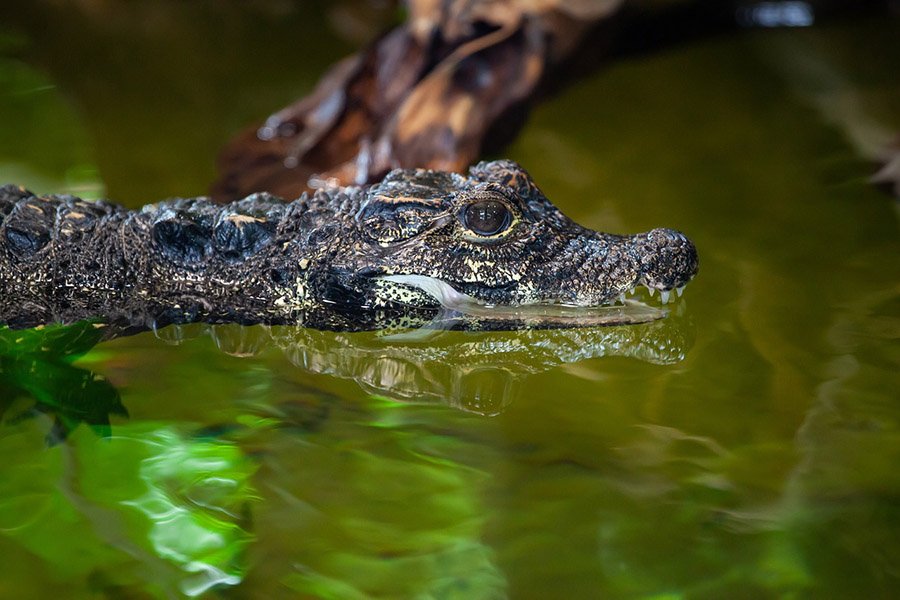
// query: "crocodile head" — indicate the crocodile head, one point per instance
point(493, 239)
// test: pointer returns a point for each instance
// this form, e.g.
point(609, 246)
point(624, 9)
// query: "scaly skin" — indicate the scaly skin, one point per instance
point(335, 260)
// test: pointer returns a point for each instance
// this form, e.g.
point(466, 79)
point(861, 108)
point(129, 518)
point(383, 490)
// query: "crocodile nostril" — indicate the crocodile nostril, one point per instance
point(665, 236)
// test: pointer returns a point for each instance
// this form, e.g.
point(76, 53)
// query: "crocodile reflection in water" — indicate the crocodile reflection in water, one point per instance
point(478, 372)
point(490, 245)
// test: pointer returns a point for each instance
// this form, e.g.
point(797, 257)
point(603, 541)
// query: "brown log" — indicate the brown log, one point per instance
point(425, 94)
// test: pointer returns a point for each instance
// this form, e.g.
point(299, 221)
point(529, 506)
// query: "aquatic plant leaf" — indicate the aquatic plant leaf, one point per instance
point(36, 363)
point(70, 394)
point(52, 342)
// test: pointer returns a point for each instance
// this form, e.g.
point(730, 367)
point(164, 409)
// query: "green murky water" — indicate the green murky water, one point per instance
point(748, 447)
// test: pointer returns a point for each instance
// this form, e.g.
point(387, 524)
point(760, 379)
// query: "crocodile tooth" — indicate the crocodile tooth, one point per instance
point(664, 296)
point(679, 291)
point(651, 290)
point(622, 297)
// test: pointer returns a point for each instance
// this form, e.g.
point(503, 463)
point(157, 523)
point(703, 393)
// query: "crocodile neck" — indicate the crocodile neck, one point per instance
point(259, 260)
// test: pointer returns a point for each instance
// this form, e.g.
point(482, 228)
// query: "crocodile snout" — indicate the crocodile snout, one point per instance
point(667, 259)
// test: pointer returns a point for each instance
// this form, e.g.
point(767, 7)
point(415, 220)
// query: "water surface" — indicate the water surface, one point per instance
point(745, 447)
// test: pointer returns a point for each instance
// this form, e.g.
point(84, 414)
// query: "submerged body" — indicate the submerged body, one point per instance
point(405, 250)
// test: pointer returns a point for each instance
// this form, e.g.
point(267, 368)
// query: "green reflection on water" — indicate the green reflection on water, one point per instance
point(192, 493)
point(118, 512)
point(196, 495)
point(400, 516)
point(762, 465)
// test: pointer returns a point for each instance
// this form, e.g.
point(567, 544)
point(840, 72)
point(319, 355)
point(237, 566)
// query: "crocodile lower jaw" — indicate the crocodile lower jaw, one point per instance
point(450, 297)
point(625, 310)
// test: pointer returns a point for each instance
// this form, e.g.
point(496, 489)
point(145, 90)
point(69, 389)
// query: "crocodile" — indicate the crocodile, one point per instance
point(407, 250)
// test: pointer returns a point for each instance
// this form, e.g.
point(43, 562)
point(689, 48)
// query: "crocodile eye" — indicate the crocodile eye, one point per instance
point(488, 217)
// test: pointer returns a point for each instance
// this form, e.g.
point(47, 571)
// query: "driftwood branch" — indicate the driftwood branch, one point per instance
point(426, 94)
